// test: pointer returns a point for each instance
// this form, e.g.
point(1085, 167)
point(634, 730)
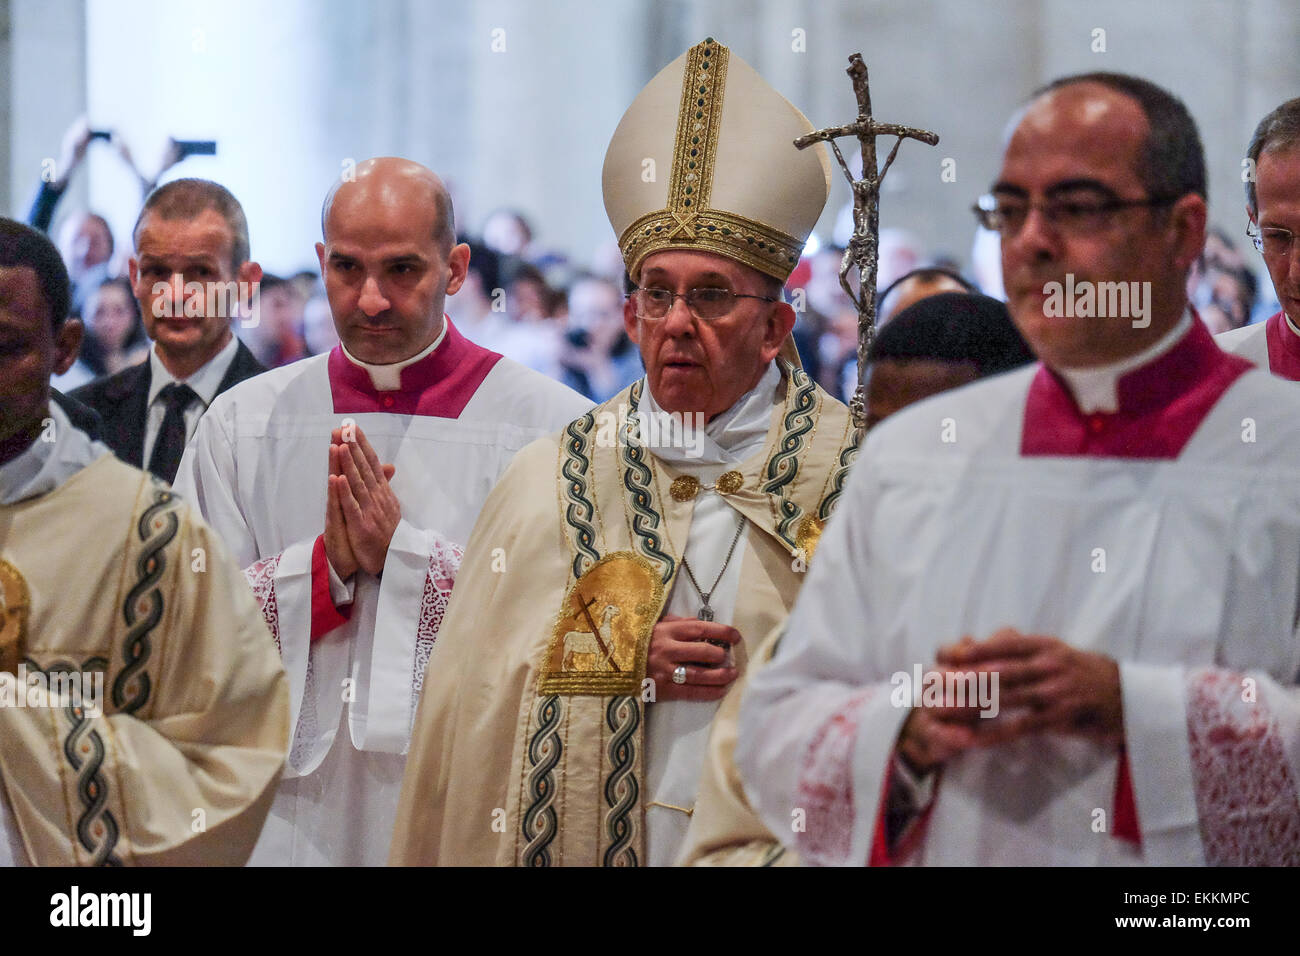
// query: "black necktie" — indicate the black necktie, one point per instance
point(170, 444)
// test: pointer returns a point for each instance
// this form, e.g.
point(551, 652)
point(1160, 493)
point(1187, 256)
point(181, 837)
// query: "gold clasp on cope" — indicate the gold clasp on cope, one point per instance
point(687, 487)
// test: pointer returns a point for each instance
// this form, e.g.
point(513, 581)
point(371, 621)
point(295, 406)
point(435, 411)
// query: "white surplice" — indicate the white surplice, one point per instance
point(1249, 341)
point(257, 470)
point(1273, 344)
point(1166, 537)
point(677, 731)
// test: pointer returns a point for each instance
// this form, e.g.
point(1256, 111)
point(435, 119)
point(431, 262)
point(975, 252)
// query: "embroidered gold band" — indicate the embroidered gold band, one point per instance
point(761, 247)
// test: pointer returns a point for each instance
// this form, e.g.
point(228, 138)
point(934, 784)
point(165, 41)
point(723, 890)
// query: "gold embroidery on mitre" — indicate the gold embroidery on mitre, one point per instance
point(688, 219)
point(809, 533)
point(602, 631)
point(756, 244)
point(698, 120)
point(15, 603)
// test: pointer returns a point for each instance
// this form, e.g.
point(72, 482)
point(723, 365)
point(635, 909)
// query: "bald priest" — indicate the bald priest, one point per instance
point(346, 485)
point(624, 566)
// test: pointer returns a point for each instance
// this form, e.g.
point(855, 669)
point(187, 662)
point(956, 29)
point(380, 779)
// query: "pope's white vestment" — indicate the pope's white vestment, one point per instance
point(450, 420)
point(1164, 534)
point(584, 776)
point(677, 731)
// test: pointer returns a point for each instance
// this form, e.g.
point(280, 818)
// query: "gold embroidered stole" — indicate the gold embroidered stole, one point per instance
point(582, 742)
point(103, 623)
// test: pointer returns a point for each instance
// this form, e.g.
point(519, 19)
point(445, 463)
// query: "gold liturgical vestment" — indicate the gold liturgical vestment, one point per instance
point(725, 830)
point(110, 574)
point(529, 743)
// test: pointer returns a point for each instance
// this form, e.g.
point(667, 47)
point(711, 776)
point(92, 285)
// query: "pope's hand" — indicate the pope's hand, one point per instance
point(1060, 688)
point(368, 503)
point(685, 641)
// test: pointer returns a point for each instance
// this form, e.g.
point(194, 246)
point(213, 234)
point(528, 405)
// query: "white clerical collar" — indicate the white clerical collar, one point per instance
point(205, 381)
point(45, 464)
point(1287, 319)
point(1097, 389)
point(729, 438)
point(388, 378)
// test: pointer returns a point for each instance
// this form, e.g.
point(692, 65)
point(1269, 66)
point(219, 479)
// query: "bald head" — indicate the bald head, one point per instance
point(389, 259)
point(395, 183)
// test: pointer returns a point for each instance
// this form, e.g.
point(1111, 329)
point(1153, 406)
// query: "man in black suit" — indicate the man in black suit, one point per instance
point(192, 275)
point(81, 416)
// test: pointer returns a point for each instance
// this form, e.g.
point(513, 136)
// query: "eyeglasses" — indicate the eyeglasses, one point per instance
point(705, 304)
point(1007, 216)
point(1271, 241)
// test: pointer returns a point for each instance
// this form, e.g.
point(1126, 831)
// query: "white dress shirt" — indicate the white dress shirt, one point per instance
point(205, 383)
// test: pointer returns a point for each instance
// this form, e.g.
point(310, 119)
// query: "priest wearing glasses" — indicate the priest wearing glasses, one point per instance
point(1108, 542)
point(624, 568)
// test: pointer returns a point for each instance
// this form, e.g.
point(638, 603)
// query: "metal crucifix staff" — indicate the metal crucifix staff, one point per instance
point(863, 248)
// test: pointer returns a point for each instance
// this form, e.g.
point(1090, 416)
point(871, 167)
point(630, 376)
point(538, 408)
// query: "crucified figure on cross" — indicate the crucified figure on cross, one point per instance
point(863, 248)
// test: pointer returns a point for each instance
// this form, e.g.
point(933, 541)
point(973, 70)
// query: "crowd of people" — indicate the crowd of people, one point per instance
point(558, 314)
point(604, 571)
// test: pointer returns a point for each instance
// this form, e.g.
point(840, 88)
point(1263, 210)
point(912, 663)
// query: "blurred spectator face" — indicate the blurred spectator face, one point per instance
point(1215, 319)
point(305, 284)
point(85, 242)
point(607, 261)
point(529, 300)
point(1218, 252)
point(318, 325)
point(596, 307)
point(824, 292)
point(1277, 191)
point(900, 253)
point(471, 291)
point(843, 325)
point(894, 384)
point(170, 255)
point(506, 233)
point(281, 310)
point(1221, 285)
point(1231, 293)
point(112, 315)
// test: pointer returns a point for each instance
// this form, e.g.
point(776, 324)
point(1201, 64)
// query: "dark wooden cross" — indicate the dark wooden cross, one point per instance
point(595, 631)
point(864, 246)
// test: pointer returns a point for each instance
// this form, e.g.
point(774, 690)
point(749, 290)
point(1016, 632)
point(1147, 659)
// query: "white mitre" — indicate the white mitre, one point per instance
point(726, 176)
